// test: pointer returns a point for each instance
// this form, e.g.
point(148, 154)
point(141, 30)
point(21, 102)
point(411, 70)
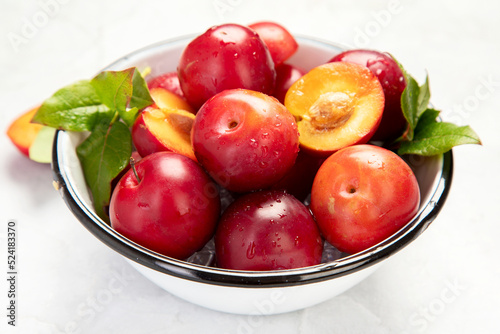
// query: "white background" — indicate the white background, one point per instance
point(445, 282)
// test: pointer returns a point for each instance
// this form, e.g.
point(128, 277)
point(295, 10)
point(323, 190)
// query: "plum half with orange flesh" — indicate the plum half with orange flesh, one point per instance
point(336, 105)
point(164, 126)
point(22, 132)
point(166, 99)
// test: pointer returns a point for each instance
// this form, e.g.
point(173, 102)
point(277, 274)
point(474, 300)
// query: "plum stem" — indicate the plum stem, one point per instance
point(132, 165)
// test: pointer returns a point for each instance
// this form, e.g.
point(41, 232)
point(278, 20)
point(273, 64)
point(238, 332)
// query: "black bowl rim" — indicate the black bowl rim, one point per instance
point(254, 279)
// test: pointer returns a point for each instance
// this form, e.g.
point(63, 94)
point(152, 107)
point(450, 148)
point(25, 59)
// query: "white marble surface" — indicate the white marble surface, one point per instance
point(445, 282)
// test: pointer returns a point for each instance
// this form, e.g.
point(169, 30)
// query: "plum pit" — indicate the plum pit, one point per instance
point(331, 110)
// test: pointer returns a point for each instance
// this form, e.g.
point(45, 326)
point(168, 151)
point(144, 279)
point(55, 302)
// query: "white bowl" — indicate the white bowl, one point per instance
point(246, 292)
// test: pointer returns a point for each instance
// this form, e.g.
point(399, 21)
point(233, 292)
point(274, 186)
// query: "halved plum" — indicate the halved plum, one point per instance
point(166, 99)
point(165, 129)
point(22, 132)
point(168, 81)
point(393, 123)
point(336, 105)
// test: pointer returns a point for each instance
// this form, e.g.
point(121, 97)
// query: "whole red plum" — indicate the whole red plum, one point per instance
point(246, 140)
point(225, 57)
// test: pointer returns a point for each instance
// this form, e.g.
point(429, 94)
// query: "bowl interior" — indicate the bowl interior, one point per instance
point(433, 174)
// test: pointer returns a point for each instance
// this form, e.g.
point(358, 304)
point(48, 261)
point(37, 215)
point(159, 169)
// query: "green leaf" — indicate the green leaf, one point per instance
point(76, 107)
point(103, 155)
point(410, 104)
point(129, 116)
point(429, 116)
point(423, 97)
point(125, 91)
point(114, 88)
point(140, 99)
point(140, 95)
point(425, 135)
point(437, 138)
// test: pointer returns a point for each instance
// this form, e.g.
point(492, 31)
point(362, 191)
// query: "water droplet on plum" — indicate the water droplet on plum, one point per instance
point(251, 251)
point(254, 143)
point(265, 150)
point(296, 241)
point(143, 205)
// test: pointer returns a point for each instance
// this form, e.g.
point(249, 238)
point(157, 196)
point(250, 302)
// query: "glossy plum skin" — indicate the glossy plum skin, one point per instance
point(267, 230)
point(174, 208)
point(361, 195)
point(225, 57)
point(280, 42)
point(299, 179)
point(286, 75)
point(168, 81)
point(246, 140)
point(387, 71)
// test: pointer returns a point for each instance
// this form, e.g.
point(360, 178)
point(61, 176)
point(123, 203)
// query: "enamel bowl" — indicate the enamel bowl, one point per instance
point(246, 292)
